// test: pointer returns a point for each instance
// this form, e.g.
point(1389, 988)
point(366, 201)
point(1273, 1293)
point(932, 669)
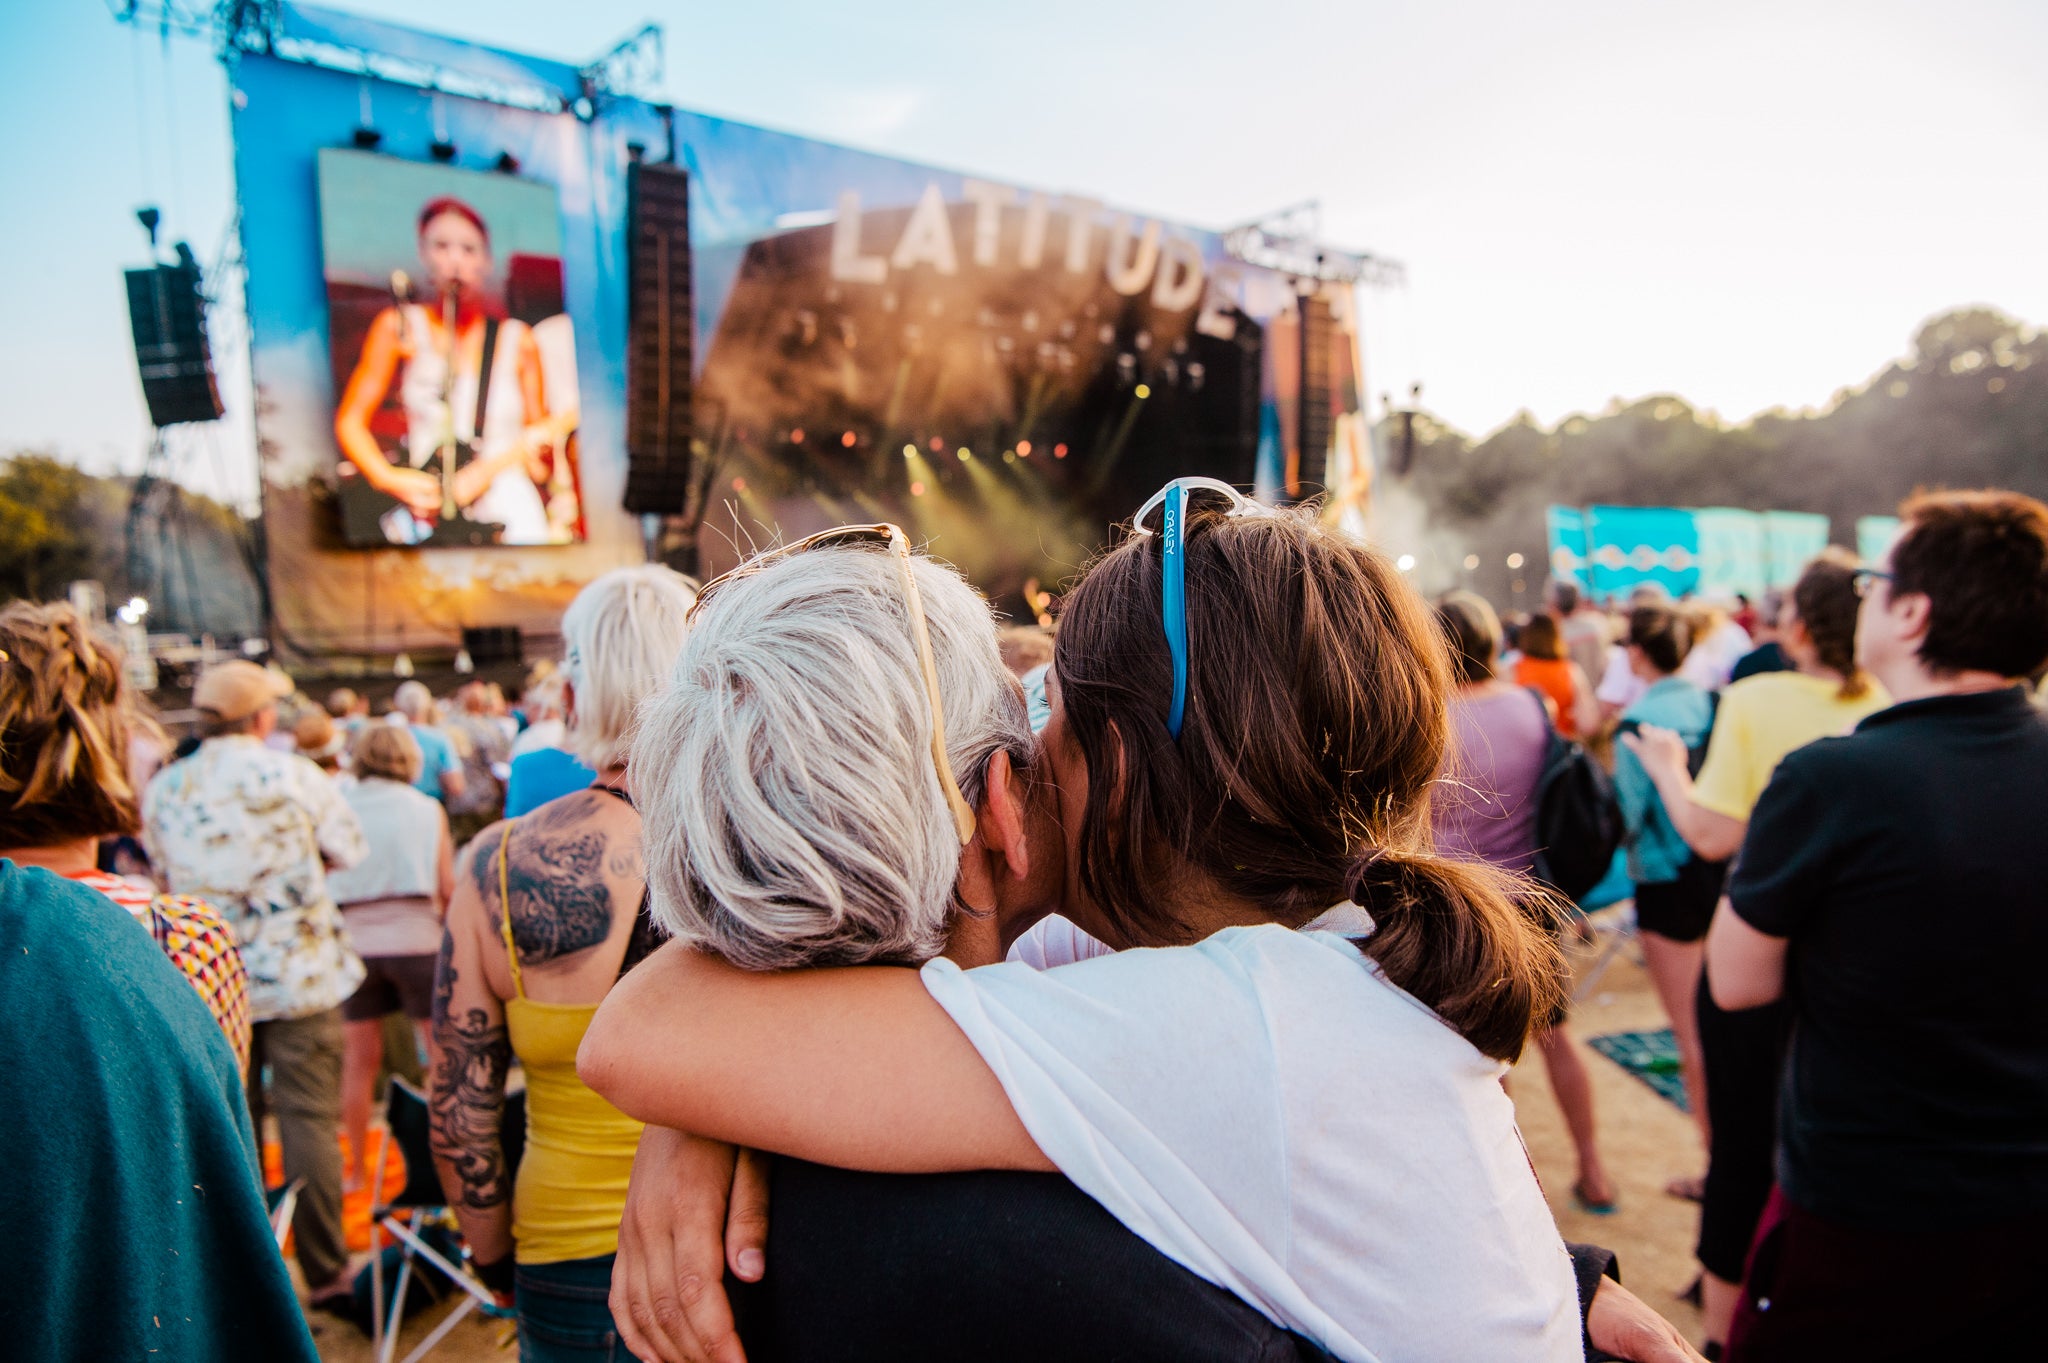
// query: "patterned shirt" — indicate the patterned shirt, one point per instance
point(252, 832)
point(198, 941)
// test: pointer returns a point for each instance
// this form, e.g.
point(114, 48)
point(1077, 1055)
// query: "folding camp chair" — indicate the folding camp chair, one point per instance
point(287, 1202)
point(1614, 929)
point(405, 1116)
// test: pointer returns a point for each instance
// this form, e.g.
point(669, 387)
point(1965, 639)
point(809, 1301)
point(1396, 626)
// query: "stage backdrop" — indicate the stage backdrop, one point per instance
point(1004, 371)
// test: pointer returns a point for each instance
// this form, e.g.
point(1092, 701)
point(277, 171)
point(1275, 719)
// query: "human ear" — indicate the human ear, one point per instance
point(1002, 813)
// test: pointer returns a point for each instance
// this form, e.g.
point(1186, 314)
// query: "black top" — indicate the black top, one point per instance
point(994, 1267)
point(1908, 864)
point(1763, 658)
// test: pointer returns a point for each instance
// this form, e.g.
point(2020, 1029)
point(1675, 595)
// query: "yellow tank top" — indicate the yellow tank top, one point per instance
point(571, 1189)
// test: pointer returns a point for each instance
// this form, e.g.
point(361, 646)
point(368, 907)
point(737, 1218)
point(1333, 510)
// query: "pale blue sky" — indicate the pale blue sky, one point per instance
point(1750, 204)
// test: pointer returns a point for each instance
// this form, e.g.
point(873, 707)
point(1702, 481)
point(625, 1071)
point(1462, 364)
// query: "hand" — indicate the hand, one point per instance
point(417, 488)
point(1659, 750)
point(693, 1205)
point(1621, 1323)
point(472, 481)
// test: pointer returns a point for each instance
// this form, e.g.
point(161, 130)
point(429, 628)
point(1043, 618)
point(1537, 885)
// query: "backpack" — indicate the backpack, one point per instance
point(1578, 820)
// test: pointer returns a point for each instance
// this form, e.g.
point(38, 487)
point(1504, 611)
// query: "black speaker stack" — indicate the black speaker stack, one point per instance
point(658, 336)
point(168, 313)
point(1315, 421)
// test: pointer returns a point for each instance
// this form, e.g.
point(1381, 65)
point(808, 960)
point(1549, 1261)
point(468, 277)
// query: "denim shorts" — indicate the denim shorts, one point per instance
point(563, 1316)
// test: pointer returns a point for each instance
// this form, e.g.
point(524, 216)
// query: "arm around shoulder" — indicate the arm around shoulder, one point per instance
point(857, 1067)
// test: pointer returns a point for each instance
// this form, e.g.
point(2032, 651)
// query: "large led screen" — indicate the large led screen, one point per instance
point(454, 361)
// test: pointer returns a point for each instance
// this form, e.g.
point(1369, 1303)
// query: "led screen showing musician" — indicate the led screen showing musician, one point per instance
point(454, 360)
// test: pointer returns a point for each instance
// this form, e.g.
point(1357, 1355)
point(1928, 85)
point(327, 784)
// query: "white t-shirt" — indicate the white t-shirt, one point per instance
point(1265, 1109)
point(1619, 684)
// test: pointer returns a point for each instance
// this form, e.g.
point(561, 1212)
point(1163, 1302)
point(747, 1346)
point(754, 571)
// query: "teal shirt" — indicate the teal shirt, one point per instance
point(132, 1223)
point(1655, 850)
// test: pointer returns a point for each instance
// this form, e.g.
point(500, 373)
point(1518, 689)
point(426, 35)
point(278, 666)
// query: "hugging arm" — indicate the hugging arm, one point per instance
point(857, 1067)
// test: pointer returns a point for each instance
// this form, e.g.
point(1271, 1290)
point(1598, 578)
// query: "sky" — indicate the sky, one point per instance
point(1751, 205)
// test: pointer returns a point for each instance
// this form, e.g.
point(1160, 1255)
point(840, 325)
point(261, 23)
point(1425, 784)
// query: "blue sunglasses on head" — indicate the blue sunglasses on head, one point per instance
point(1174, 572)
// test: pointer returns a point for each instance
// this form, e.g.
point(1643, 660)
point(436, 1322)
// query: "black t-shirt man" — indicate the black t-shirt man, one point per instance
point(1908, 865)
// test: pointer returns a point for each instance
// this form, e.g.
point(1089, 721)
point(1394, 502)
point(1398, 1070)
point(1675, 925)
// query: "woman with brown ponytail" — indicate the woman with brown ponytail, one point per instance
point(1760, 720)
point(1295, 1093)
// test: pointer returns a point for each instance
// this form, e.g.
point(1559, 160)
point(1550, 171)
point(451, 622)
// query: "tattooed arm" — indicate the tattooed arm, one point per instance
point(473, 1052)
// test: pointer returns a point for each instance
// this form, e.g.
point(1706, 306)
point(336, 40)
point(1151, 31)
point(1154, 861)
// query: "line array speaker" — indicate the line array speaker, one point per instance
point(168, 314)
point(658, 335)
point(494, 644)
point(1318, 374)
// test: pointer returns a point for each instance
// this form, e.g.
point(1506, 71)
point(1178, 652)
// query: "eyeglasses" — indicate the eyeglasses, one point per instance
point(898, 545)
point(1173, 572)
point(1864, 579)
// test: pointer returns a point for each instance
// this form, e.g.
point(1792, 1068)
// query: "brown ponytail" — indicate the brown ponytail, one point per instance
point(1825, 597)
point(1471, 941)
point(65, 723)
point(1317, 719)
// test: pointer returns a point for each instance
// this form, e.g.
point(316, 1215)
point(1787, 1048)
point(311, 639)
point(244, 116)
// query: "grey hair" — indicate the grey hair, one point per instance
point(790, 814)
point(619, 637)
point(414, 701)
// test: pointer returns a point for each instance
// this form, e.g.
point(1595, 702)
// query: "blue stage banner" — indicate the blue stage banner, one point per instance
point(1791, 540)
point(1566, 528)
point(1632, 545)
point(1731, 552)
point(1874, 536)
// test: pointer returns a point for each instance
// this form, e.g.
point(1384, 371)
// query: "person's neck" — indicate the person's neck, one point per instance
point(1912, 681)
point(613, 776)
point(63, 858)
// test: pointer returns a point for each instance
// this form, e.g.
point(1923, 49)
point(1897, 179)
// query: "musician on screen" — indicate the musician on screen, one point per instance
point(480, 442)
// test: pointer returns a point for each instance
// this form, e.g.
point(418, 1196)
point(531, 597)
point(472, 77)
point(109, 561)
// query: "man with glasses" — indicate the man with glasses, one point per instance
point(1894, 884)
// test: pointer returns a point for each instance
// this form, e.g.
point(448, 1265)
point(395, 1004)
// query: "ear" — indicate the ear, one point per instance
point(1001, 818)
point(568, 703)
point(1914, 613)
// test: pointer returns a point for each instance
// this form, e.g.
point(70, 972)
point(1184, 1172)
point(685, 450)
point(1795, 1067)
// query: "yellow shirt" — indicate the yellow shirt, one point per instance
point(1760, 720)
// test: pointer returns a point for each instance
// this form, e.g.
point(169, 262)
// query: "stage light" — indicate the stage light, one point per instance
point(463, 662)
point(1009, 456)
point(1515, 560)
point(1406, 563)
point(936, 444)
point(443, 150)
point(1059, 451)
point(1471, 562)
point(508, 164)
point(138, 606)
point(796, 437)
point(401, 666)
point(910, 451)
point(965, 454)
point(739, 485)
point(917, 489)
point(1024, 448)
point(847, 440)
point(1143, 390)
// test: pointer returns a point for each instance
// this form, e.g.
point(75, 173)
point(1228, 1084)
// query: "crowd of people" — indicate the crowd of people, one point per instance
point(1144, 988)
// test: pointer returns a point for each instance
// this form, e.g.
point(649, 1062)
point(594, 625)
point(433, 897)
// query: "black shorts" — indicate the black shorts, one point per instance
point(1681, 909)
point(394, 983)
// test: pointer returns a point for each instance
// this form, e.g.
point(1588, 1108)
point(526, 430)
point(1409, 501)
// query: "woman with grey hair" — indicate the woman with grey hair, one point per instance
point(797, 813)
point(548, 912)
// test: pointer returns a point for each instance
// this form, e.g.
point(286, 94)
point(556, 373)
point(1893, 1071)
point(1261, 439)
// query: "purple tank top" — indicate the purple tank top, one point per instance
point(1484, 805)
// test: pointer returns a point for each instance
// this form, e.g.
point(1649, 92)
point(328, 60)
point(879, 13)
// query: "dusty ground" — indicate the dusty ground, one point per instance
point(1644, 1141)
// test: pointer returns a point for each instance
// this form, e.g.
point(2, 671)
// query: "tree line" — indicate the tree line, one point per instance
point(1967, 406)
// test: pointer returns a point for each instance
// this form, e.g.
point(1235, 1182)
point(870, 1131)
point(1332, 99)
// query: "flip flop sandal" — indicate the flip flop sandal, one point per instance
point(1587, 1205)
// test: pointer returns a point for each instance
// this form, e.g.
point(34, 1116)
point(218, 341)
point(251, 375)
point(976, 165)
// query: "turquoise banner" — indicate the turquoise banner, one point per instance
point(1731, 552)
point(1791, 539)
point(1874, 536)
